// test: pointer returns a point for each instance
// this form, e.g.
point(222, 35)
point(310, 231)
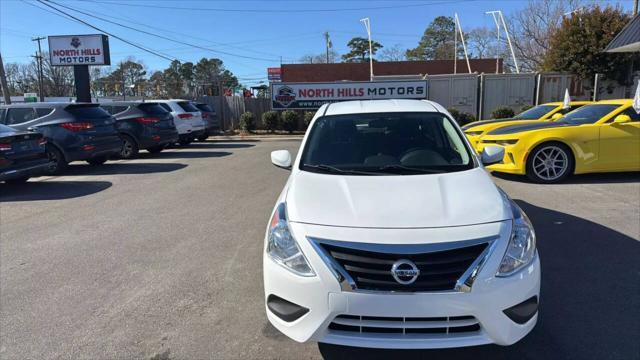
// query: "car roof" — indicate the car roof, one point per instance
point(45, 104)
point(558, 103)
point(616, 101)
point(165, 100)
point(381, 106)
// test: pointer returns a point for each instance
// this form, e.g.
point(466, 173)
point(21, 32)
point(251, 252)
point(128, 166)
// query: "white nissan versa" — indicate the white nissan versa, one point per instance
point(389, 233)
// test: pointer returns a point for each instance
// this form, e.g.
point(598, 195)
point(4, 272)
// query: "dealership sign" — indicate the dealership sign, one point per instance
point(68, 50)
point(274, 73)
point(314, 95)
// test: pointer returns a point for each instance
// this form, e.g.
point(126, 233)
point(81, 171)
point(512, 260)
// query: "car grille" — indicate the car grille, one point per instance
point(404, 325)
point(439, 270)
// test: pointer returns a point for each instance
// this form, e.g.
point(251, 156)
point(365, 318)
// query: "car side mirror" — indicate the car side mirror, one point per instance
point(281, 159)
point(556, 116)
point(492, 155)
point(621, 119)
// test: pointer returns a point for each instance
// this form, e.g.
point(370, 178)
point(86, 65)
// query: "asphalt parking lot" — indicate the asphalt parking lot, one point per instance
point(160, 258)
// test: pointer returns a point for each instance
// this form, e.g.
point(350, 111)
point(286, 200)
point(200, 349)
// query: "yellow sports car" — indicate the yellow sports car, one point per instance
point(600, 137)
point(549, 111)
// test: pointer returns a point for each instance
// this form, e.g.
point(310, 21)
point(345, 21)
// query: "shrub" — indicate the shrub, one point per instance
point(461, 118)
point(289, 120)
point(247, 121)
point(270, 120)
point(308, 116)
point(502, 113)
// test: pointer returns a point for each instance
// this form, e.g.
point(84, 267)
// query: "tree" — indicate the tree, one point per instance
point(156, 85)
point(172, 80)
point(210, 73)
point(577, 46)
point(394, 53)
point(360, 49)
point(482, 42)
point(320, 58)
point(532, 28)
point(436, 42)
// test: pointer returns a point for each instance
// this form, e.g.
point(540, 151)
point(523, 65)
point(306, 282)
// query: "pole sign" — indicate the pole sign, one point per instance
point(274, 74)
point(69, 50)
point(301, 96)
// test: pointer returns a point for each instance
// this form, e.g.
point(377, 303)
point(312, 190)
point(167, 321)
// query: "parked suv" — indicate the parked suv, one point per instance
point(142, 125)
point(74, 131)
point(186, 117)
point(212, 123)
point(389, 233)
point(22, 155)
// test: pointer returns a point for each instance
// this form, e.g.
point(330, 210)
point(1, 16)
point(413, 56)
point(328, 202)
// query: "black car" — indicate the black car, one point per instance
point(22, 155)
point(74, 131)
point(211, 121)
point(142, 125)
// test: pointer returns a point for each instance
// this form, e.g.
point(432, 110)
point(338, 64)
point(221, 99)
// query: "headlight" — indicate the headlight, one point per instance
point(522, 244)
point(474, 133)
point(283, 248)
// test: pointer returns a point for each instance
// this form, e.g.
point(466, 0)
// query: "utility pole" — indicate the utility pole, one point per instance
point(39, 58)
point(367, 24)
point(328, 44)
point(3, 82)
point(635, 8)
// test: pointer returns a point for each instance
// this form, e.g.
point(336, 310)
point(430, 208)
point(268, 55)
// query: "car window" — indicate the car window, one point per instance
point(2, 112)
point(394, 143)
point(632, 114)
point(588, 114)
point(535, 112)
point(204, 107)
point(153, 109)
point(166, 106)
point(87, 112)
point(41, 111)
point(187, 106)
point(119, 109)
point(19, 115)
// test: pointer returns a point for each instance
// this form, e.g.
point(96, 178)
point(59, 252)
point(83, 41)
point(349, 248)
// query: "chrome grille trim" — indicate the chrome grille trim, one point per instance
point(347, 283)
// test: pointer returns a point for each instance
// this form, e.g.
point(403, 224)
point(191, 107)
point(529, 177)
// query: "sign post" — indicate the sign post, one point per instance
point(80, 51)
point(300, 96)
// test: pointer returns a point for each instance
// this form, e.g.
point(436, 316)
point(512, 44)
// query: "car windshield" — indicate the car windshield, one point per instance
point(588, 114)
point(535, 112)
point(385, 143)
point(153, 109)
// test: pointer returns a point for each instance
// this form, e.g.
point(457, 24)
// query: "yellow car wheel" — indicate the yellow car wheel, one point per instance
point(550, 163)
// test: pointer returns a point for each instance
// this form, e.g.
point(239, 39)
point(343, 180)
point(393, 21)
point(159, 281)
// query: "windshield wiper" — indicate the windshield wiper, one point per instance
point(335, 170)
point(408, 168)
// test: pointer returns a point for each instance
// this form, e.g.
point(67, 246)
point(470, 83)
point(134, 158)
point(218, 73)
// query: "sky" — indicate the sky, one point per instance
point(248, 36)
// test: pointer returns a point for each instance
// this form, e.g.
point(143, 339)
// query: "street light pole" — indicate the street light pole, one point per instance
point(367, 24)
point(498, 18)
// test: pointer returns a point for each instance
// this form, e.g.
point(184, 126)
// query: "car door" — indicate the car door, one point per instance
point(620, 143)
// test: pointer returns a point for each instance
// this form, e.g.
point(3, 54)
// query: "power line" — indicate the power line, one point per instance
point(105, 32)
point(160, 36)
point(387, 7)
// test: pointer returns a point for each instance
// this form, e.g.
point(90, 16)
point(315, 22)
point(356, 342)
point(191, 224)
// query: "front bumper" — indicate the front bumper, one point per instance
point(325, 299)
point(514, 161)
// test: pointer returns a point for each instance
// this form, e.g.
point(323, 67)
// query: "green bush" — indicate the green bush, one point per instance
point(502, 113)
point(289, 120)
point(461, 118)
point(247, 121)
point(271, 120)
point(308, 116)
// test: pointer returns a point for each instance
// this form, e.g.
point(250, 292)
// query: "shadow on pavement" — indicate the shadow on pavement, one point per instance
point(603, 178)
point(590, 302)
point(181, 154)
point(51, 190)
point(218, 145)
point(122, 168)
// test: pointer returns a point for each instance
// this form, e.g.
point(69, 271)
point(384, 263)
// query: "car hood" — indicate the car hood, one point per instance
point(512, 129)
point(484, 122)
point(400, 201)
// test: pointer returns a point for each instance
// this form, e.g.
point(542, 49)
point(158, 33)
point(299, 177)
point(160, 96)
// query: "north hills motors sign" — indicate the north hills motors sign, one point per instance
point(68, 50)
point(314, 95)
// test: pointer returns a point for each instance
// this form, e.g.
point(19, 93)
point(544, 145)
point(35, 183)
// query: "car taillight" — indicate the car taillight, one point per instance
point(185, 116)
point(147, 120)
point(77, 126)
point(5, 147)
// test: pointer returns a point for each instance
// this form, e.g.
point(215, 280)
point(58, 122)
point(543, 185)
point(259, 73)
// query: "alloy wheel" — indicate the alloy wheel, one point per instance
point(550, 163)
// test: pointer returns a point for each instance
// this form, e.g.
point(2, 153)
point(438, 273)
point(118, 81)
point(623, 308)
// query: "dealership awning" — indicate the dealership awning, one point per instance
point(627, 40)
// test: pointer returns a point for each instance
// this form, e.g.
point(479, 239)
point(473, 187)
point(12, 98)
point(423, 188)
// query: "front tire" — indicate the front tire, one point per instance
point(550, 163)
point(129, 147)
point(97, 161)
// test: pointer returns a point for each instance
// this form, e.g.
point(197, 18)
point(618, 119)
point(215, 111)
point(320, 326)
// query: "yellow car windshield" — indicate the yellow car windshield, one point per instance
point(535, 112)
point(588, 114)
